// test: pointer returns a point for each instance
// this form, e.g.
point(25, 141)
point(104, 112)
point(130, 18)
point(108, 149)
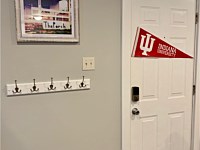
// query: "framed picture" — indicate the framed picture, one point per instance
point(47, 20)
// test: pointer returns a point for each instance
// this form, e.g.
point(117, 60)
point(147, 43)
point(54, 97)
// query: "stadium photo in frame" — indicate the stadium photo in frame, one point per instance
point(47, 20)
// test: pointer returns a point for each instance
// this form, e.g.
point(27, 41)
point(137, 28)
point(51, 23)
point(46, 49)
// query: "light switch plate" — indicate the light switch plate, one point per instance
point(88, 63)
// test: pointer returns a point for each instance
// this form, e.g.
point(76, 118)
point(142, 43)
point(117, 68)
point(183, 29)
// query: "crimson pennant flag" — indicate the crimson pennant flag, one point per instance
point(148, 45)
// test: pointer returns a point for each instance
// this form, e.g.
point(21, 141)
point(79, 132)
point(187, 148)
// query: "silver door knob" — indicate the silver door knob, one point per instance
point(135, 111)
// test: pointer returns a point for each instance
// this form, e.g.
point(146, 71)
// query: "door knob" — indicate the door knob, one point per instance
point(135, 111)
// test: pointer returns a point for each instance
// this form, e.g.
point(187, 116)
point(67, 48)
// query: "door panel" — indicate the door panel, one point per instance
point(176, 131)
point(165, 105)
point(149, 132)
point(177, 78)
point(150, 87)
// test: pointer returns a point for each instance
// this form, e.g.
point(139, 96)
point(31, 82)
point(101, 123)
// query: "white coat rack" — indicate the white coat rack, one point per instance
point(47, 87)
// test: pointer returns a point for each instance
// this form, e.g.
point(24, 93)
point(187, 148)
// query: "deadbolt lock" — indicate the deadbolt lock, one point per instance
point(135, 94)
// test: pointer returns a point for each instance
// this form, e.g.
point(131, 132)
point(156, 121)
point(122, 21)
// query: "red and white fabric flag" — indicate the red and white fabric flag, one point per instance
point(148, 45)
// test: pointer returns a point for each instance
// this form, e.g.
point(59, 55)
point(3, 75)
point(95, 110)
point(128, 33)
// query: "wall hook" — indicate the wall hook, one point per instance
point(34, 88)
point(17, 90)
point(82, 84)
point(67, 86)
point(51, 86)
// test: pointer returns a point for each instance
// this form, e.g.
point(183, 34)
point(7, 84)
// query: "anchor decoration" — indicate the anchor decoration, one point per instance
point(149, 45)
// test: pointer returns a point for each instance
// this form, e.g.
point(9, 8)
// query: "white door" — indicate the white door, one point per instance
point(165, 85)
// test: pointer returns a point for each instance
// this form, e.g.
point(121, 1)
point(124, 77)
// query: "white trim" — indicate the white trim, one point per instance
point(126, 44)
point(197, 140)
point(197, 107)
point(197, 96)
point(0, 78)
point(197, 113)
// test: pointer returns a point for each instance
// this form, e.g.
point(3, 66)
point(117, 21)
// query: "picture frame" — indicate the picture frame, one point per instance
point(47, 20)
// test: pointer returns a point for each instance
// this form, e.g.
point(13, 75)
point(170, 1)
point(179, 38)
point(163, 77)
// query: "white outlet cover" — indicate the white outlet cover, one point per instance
point(88, 63)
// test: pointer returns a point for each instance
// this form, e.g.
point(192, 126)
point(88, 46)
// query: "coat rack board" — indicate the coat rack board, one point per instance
point(18, 89)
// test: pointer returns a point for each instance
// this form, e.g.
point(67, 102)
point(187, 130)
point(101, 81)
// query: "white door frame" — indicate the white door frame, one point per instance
point(197, 107)
point(0, 78)
point(197, 124)
point(197, 101)
point(196, 129)
point(126, 78)
point(126, 74)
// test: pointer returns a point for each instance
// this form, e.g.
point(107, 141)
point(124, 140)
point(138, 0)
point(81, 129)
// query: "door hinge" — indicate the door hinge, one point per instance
point(197, 18)
point(194, 90)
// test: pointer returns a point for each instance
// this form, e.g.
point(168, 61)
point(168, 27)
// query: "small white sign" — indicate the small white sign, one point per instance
point(57, 25)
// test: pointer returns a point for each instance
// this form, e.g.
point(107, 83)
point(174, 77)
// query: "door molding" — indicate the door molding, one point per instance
point(197, 96)
point(126, 73)
point(126, 78)
point(197, 100)
point(0, 78)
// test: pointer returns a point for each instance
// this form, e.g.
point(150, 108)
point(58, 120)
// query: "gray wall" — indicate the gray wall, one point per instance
point(83, 120)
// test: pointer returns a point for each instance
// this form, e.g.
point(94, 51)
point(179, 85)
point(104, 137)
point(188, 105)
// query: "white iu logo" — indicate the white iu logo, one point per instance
point(146, 47)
